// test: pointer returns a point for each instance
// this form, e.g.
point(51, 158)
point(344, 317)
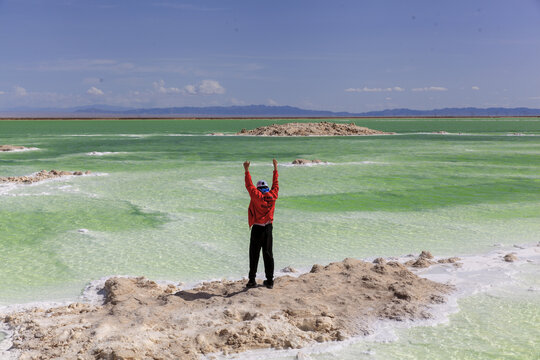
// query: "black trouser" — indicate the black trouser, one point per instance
point(261, 237)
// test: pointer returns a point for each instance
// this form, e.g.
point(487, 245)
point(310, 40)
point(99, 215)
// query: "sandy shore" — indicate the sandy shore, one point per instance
point(312, 129)
point(141, 319)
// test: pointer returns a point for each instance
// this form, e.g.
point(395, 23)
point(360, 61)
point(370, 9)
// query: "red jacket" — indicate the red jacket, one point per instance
point(261, 208)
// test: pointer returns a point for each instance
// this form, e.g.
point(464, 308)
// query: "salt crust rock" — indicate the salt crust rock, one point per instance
point(450, 260)
point(306, 162)
point(307, 129)
point(143, 320)
point(511, 257)
point(289, 269)
point(425, 259)
point(302, 356)
point(12, 147)
point(40, 176)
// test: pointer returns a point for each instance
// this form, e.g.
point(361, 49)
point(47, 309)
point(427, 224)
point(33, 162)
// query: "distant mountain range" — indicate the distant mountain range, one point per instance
point(255, 111)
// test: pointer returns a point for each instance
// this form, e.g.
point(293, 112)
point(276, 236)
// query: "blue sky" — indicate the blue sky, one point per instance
point(335, 55)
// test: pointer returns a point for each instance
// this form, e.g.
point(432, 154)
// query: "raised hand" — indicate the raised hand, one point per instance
point(246, 165)
point(275, 163)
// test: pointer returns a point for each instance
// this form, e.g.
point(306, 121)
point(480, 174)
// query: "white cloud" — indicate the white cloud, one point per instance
point(20, 91)
point(366, 89)
point(160, 88)
point(2, 92)
point(475, 88)
point(94, 91)
point(190, 89)
point(209, 87)
point(205, 87)
point(430, 88)
point(237, 102)
point(272, 102)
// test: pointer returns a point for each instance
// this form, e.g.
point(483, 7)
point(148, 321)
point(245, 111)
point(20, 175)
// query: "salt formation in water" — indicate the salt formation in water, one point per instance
point(425, 259)
point(307, 162)
point(11, 147)
point(6, 148)
point(141, 319)
point(103, 153)
point(40, 176)
point(306, 129)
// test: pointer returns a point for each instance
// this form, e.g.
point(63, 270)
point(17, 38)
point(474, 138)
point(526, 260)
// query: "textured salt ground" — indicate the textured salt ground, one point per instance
point(312, 129)
point(141, 319)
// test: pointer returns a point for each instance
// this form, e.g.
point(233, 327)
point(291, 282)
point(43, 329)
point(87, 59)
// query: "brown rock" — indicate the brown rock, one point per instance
point(511, 257)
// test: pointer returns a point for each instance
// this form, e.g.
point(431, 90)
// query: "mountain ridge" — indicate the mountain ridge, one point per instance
point(99, 110)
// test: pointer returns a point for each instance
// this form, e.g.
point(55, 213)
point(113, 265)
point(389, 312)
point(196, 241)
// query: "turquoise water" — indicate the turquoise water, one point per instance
point(167, 201)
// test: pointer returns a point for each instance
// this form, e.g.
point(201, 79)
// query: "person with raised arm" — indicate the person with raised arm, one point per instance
point(260, 218)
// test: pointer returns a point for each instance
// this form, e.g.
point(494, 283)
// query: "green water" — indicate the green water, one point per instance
point(170, 206)
point(487, 327)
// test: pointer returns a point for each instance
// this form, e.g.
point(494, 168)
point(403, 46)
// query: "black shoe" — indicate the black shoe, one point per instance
point(268, 284)
point(251, 284)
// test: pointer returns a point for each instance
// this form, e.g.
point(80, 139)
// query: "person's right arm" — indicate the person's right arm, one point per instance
point(252, 190)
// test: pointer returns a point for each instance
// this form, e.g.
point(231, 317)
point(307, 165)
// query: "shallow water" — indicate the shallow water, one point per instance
point(501, 323)
point(170, 206)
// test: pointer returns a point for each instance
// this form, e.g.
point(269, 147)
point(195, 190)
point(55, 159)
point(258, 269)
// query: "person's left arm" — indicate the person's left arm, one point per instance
point(275, 183)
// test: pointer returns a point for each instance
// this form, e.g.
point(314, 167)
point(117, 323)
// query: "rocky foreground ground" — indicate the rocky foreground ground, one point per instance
point(40, 176)
point(140, 319)
point(312, 129)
